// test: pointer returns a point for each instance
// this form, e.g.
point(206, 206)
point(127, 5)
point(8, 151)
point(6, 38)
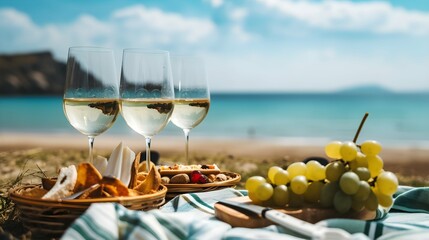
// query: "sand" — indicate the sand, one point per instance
point(245, 156)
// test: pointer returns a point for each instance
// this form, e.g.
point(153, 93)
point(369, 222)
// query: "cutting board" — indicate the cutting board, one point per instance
point(310, 214)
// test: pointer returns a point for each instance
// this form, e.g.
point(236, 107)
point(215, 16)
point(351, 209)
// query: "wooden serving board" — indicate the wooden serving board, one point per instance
point(310, 214)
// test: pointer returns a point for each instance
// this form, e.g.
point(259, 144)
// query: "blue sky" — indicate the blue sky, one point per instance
point(249, 45)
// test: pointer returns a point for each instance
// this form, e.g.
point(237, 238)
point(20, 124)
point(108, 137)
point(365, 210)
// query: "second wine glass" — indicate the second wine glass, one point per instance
point(146, 92)
point(192, 96)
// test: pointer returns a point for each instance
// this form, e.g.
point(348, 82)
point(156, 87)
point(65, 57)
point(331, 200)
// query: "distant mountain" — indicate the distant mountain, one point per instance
point(366, 90)
point(31, 74)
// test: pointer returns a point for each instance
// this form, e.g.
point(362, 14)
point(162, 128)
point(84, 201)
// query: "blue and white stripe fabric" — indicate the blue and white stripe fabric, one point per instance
point(191, 216)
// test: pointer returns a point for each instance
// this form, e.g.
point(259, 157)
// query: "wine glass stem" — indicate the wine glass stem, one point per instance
point(186, 132)
point(91, 147)
point(148, 140)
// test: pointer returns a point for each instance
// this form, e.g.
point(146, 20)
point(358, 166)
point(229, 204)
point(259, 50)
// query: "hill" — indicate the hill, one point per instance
point(31, 74)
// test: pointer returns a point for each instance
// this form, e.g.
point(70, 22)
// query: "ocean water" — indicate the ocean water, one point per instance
point(394, 119)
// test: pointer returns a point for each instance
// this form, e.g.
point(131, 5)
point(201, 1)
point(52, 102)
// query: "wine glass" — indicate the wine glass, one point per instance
point(146, 92)
point(192, 97)
point(91, 94)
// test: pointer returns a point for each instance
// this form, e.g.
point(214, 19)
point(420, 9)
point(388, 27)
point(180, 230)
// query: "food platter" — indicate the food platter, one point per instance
point(177, 169)
point(133, 202)
point(176, 189)
point(52, 217)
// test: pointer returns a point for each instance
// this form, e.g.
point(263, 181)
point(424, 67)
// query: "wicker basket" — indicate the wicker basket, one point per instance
point(52, 217)
point(177, 189)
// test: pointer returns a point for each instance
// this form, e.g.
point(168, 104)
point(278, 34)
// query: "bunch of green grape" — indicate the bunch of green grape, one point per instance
point(354, 180)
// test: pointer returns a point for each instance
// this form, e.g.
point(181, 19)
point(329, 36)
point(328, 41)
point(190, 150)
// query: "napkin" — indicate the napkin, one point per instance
point(190, 216)
point(119, 165)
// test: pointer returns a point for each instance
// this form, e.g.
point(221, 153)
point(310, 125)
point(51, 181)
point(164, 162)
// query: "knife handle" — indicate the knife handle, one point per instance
point(294, 224)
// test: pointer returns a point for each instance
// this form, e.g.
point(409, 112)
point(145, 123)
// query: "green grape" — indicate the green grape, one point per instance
point(295, 200)
point(281, 177)
point(348, 151)
point(268, 203)
point(281, 196)
point(264, 192)
point(385, 200)
point(332, 149)
point(375, 165)
point(363, 173)
point(342, 202)
point(370, 147)
point(312, 195)
point(315, 171)
point(299, 184)
point(334, 170)
point(387, 183)
point(296, 169)
point(371, 202)
point(349, 183)
point(360, 161)
point(353, 165)
point(358, 206)
point(327, 194)
point(254, 198)
point(273, 171)
point(254, 182)
point(363, 192)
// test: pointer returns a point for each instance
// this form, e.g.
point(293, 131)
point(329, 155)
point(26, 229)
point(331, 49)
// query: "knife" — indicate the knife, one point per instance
point(289, 222)
point(78, 194)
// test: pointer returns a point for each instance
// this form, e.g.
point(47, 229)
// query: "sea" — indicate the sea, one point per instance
point(292, 118)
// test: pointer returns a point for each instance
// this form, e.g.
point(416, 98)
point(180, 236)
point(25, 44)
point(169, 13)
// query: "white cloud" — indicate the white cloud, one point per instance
point(238, 14)
point(377, 17)
point(17, 30)
point(153, 26)
point(238, 17)
point(216, 3)
point(135, 26)
point(237, 64)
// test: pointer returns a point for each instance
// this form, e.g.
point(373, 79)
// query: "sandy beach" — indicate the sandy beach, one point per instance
point(245, 156)
point(26, 155)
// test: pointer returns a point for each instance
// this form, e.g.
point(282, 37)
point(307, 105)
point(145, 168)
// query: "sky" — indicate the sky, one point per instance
point(248, 45)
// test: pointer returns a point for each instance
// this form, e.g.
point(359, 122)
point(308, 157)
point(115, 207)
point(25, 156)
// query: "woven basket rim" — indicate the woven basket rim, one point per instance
point(227, 183)
point(19, 198)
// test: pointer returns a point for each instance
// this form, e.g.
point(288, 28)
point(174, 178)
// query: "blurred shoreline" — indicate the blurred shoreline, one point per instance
point(244, 147)
point(246, 156)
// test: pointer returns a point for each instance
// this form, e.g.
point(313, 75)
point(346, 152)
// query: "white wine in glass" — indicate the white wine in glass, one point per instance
point(91, 94)
point(192, 96)
point(146, 92)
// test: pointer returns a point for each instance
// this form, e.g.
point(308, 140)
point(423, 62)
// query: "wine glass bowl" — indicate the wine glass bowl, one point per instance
point(192, 96)
point(146, 92)
point(91, 93)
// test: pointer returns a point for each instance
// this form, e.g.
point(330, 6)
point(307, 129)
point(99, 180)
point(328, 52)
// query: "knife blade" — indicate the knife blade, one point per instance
point(289, 222)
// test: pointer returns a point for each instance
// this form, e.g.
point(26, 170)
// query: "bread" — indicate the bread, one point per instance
point(64, 185)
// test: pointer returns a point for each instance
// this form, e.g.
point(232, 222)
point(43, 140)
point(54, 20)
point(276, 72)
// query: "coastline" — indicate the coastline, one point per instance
point(245, 147)
point(244, 155)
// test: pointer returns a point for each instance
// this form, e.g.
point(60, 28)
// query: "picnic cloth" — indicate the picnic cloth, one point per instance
point(191, 216)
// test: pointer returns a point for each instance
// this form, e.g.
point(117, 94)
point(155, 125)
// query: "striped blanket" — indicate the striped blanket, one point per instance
point(191, 216)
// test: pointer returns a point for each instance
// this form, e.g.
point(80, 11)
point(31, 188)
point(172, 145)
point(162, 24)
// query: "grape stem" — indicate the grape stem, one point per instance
point(360, 127)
